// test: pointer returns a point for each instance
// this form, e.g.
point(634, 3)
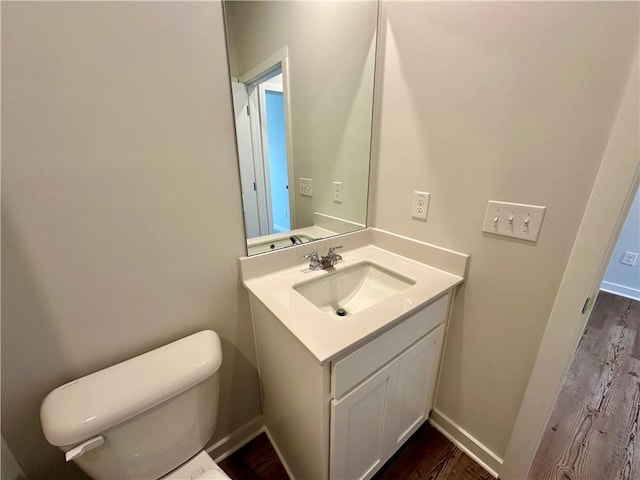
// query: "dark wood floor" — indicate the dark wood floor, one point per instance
point(426, 455)
point(594, 428)
point(429, 455)
point(257, 460)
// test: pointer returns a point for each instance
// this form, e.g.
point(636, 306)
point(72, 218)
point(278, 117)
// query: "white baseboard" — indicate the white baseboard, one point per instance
point(236, 439)
point(621, 290)
point(275, 447)
point(466, 442)
point(454, 433)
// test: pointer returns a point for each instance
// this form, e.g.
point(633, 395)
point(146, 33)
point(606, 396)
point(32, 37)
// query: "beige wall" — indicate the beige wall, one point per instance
point(612, 194)
point(331, 53)
point(509, 101)
point(121, 214)
point(121, 220)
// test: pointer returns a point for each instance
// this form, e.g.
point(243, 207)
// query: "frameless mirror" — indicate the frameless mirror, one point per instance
point(302, 83)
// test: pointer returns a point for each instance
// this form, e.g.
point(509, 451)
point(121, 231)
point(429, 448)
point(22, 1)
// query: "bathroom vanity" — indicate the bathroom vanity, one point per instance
point(342, 392)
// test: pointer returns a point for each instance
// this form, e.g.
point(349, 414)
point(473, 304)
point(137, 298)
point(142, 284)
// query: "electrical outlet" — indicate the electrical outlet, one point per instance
point(420, 205)
point(629, 258)
point(305, 187)
point(514, 220)
point(337, 192)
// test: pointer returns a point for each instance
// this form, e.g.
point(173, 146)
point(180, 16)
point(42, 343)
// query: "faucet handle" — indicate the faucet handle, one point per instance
point(333, 256)
point(314, 261)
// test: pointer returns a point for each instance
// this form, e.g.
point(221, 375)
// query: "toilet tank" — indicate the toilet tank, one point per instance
point(154, 411)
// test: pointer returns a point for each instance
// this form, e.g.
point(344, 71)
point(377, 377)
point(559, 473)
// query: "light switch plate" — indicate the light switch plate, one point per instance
point(305, 187)
point(514, 220)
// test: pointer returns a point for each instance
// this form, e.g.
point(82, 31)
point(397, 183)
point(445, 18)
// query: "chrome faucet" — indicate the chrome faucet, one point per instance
point(314, 261)
point(329, 260)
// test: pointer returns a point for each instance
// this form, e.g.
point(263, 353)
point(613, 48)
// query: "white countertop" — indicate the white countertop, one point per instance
point(326, 336)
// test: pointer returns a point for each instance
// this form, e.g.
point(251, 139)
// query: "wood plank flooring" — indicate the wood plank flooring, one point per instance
point(257, 460)
point(593, 430)
point(426, 455)
point(429, 455)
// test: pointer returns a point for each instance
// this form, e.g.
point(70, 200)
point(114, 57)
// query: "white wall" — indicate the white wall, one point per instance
point(10, 468)
point(121, 213)
point(616, 182)
point(122, 218)
point(624, 279)
point(510, 101)
point(331, 54)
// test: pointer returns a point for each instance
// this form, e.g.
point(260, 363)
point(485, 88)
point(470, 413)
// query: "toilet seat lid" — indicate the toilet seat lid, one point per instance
point(212, 475)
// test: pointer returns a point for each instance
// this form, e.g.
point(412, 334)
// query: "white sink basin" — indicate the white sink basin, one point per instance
point(353, 289)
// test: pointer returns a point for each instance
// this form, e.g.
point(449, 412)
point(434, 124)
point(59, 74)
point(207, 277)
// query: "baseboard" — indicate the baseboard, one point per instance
point(275, 447)
point(620, 290)
point(466, 442)
point(236, 439)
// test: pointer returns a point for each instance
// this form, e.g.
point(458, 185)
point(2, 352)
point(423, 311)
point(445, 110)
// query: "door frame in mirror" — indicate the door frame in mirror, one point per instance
point(279, 60)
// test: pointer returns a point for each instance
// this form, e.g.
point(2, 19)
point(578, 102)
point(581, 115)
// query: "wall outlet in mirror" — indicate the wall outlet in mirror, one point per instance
point(337, 192)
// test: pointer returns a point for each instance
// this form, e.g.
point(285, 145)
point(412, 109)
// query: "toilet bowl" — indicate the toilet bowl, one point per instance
point(148, 417)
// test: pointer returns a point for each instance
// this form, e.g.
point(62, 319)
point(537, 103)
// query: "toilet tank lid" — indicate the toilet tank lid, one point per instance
point(92, 404)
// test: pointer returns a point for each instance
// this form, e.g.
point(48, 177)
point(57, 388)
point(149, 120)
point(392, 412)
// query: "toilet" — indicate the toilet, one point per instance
point(145, 418)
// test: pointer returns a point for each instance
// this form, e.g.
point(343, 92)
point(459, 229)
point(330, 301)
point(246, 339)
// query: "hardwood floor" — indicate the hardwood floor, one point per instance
point(429, 455)
point(426, 455)
point(257, 460)
point(594, 428)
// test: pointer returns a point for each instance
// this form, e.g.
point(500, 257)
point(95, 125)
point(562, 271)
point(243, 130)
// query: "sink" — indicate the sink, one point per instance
point(351, 290)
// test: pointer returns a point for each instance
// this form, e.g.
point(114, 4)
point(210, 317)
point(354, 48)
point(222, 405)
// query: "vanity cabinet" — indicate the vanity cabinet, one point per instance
point(372, 421)
point(344, 419)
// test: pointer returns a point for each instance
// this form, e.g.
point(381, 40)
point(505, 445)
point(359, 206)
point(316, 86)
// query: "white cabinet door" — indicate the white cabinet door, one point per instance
point(359, 426)
point(413, 396)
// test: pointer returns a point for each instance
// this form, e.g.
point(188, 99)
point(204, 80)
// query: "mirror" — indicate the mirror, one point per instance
point(302, 83)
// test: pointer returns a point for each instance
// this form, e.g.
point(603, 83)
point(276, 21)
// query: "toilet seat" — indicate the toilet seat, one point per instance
point(200, 467)
point(212, 475)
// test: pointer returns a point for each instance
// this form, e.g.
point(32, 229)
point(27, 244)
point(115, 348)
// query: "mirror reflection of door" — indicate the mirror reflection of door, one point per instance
point(275, 153)
point(245, 156)
point(262, 149)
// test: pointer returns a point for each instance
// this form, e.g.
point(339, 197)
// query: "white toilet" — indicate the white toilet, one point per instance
point(146, 418)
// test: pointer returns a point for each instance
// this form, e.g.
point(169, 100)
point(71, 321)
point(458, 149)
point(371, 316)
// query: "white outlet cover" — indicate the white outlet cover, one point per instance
point(629, 258)
point(514, 220)
point(337, 192)
point(420, 205)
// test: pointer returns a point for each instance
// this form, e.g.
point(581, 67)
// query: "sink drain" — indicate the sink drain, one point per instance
point(341, 312)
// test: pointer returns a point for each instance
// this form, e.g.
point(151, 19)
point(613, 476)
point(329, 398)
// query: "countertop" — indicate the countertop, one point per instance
point(327, 337)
